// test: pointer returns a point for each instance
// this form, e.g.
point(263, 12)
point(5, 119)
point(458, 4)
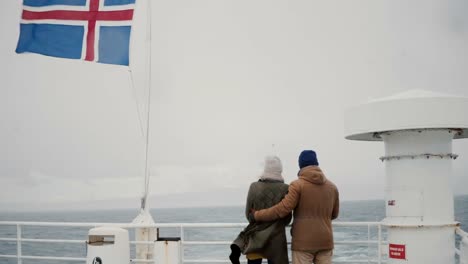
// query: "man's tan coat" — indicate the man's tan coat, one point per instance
point(315, 201)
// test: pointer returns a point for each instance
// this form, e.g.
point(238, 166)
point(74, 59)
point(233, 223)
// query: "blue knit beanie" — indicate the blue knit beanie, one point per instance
point(308, 158)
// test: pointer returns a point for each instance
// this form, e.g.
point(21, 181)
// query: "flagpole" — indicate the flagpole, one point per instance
point(144, 199)
point(146, 234)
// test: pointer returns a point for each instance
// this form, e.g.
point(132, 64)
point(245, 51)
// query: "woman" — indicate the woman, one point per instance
point(268, 239)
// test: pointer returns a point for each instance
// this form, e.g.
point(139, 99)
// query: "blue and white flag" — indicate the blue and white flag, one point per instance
point(91, 30)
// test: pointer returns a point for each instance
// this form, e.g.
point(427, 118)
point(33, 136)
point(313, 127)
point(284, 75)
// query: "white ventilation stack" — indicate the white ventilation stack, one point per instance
point(417, 128)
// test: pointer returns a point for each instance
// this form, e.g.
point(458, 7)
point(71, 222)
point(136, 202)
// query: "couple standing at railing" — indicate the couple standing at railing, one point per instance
point(312, 199)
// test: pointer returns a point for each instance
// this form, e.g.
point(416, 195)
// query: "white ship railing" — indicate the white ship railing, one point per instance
point(462, 250)
point(182, 227)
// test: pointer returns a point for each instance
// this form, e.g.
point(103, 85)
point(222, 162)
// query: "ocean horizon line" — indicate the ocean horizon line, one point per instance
point(176, 207)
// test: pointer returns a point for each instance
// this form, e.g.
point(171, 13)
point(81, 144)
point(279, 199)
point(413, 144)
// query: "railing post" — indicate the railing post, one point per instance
point(379, 246)
point(182, 242)
point(18, 244)
point(368, 243)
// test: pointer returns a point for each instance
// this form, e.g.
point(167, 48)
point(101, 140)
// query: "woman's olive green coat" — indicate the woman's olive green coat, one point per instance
point(268, 238)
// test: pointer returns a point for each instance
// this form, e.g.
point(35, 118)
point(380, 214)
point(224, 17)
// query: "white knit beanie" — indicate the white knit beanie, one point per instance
point(273, 169)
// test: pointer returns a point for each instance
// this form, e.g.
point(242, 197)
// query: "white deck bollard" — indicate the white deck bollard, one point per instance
point(417, 128)
point(108, 245)
point(168, 251)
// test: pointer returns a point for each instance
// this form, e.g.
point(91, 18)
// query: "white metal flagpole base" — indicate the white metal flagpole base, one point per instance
point(145, 234)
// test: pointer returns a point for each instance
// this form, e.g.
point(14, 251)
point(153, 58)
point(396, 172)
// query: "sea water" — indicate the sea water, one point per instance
point(350, 211)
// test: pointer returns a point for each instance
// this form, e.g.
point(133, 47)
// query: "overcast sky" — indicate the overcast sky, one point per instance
point(230, 78)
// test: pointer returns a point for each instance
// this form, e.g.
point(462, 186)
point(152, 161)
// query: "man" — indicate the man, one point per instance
point(315, 202)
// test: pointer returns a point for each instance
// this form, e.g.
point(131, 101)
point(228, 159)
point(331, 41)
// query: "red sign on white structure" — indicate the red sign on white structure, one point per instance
point(396, 251)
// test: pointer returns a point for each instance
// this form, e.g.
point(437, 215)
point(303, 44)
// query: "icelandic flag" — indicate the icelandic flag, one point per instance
point(91, 30)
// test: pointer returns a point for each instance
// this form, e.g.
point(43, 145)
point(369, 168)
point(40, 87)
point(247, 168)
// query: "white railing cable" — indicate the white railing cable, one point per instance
point(53, 241)
point(8, 239)
point(53, 258)
point(157, 225)
point(163, 225)
point(461, 233)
